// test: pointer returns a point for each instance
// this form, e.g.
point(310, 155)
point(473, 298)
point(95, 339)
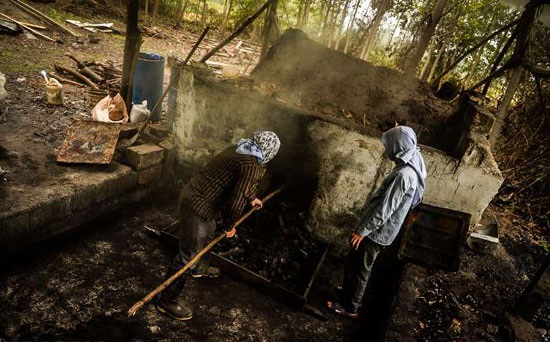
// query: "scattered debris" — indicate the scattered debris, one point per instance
point(9, 27)
point(36, 13)
point(28, 28)
point(104, 27)
point(484, 238)
point(89, 142)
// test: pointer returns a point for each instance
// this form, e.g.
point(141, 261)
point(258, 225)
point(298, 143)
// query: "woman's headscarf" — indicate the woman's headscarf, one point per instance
point(400, 143)
point(264, 145)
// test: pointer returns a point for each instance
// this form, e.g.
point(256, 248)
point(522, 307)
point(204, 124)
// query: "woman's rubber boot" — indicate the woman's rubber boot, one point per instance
point(171, 306)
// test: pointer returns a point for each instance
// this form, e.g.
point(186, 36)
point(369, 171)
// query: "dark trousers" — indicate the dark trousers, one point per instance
point(358, 269)
point(194, 234)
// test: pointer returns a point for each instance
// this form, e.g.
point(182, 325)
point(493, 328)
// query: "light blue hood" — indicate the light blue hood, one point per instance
point(400, 145)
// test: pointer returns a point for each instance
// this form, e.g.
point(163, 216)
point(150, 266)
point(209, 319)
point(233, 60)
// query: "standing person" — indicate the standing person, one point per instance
point(383, 217)
point(225, 185)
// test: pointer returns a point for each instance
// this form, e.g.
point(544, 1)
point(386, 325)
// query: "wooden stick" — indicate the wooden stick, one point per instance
point(28, 28)
point(64, 80)
point(38, 27)
point(34, 26)
point(220, 237)
point(84, 69)
point(236, 33)
point(38, 14)
point(77, 75)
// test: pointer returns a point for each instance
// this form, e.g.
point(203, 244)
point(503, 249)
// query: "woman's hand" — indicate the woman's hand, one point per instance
point(256, 202)
point(356, 240)
point(230, 233)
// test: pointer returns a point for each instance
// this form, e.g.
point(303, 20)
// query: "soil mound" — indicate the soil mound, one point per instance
point(300, 71)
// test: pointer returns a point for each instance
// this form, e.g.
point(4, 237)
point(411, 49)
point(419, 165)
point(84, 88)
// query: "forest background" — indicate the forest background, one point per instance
point(498, 48)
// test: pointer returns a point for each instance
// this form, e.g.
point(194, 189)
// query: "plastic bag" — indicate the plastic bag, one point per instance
point(3, 92)
point(139, 112)
point(110, 109)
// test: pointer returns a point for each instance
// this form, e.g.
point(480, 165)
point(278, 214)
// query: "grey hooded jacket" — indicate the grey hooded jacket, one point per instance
point(401, 190)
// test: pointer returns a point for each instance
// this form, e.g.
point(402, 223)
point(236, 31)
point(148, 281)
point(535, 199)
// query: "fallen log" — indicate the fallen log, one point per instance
point(77, 75)
point(34, 12)
point(30, 29)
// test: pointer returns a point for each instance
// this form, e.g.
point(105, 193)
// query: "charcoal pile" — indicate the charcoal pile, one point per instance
point(277, 245)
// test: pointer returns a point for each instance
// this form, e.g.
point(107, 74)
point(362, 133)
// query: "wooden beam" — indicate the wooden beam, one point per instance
point(29, 29)
point(40, 15)
point(236, 33)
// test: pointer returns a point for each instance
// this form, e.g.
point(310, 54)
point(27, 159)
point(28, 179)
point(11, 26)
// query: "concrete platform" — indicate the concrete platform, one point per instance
point(76, 197)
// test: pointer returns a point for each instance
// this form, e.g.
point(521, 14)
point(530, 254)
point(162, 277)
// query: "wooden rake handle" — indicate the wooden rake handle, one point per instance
point(132, 311)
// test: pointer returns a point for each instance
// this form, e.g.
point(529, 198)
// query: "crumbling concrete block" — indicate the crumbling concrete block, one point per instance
point(14, 225)
point(146, 176)
point(56, 207)
point(144, 156)
point(159, 131)
point(169, 162)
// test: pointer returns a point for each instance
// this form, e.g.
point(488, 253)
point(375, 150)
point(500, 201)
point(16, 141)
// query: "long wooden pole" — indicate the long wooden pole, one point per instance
point(220, 237)
point(236, 33)
point(28, 28)
point(31, 10)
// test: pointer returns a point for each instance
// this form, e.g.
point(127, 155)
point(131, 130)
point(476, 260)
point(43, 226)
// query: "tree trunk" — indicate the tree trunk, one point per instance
point(481, 43)
point(146, 7)
point(434, 19)
point(131, 50)
point(349, 30)
point(341, 25)
point(521, 36)
point(155, 9)
point(434, 64)
point(515, 77)
point(204, 11)
point(306, 13)
point(223, 26)
point(271, 28)
point(334, 13)
point(423, 75)
point(372, 33)
point(326, 17)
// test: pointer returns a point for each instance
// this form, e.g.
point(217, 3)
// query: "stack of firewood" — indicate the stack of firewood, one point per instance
point(100, 77)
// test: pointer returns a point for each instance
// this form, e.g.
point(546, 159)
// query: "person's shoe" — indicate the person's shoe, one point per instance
point(176, 310)
point(209, 272)
point(340, 310)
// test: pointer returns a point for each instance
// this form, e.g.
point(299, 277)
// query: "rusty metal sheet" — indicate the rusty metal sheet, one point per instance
point(434, 236)
point(89, 142)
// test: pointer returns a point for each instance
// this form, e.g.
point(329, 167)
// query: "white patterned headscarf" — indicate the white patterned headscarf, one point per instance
point(264, 145)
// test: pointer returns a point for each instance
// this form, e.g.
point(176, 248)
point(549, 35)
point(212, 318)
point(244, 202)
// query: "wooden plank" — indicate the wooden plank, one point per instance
point(29, 29)
point(32, 11)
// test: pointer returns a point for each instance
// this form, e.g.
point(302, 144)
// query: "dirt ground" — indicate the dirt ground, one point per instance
point(80, 287)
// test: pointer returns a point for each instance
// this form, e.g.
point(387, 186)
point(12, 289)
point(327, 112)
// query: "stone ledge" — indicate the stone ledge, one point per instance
point(81, 197)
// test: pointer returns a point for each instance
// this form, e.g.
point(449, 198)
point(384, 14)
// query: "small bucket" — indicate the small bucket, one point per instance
point(54, 94)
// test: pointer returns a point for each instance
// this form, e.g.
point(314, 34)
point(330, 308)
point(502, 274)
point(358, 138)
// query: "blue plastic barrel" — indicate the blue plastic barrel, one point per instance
point(148, 81)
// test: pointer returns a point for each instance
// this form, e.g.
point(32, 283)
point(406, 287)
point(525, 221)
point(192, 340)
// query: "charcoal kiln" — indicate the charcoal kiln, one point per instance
point(273, 250)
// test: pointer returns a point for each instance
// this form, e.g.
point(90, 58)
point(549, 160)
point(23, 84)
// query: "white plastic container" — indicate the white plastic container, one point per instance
point(3, 92)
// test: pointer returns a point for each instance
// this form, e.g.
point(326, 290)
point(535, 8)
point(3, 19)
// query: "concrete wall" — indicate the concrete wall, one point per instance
point(352, 166)
point(208, 115)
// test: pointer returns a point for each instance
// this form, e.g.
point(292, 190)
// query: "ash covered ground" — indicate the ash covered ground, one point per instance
point(80, 286)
